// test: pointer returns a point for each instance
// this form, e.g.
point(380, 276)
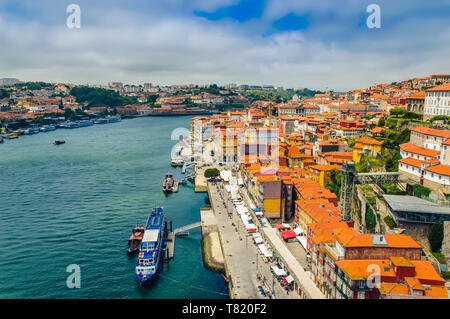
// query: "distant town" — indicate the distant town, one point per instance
point(328, 186)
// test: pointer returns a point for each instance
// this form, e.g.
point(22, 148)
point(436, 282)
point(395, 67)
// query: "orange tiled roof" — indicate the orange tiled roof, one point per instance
point(412, 148)
point(365, 240)
point(411, 161)
point(430, 131)
point(439, 169)
point(442, 87)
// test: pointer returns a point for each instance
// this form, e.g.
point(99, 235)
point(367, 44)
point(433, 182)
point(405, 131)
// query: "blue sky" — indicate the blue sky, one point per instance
point(288, 43)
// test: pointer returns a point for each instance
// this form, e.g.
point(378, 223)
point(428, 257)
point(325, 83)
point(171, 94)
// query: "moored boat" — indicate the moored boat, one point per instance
point(168, 183)
point(101, 121)
point(134, 242)
point(149, 260)
point(57, 142)
point(114, 119)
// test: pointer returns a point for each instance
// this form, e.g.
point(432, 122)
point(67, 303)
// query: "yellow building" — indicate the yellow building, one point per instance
point(366, 146)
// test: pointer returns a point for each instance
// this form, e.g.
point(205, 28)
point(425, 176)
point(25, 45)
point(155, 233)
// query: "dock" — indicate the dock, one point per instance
point(170, 245)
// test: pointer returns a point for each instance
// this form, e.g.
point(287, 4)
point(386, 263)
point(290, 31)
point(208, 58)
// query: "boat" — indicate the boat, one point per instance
point(59, 142)
point(114, 119)
point(73, 125)
point(134, 242)
point(84, 123)
point(149, 260)
point(13, 136)
point(168, 183)
point(177, 161)
point(1, 139)
point(31, 130)
point(47, 128)
point(101, 121)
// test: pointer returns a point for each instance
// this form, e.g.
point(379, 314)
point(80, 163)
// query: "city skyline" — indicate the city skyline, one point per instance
point(227, 41)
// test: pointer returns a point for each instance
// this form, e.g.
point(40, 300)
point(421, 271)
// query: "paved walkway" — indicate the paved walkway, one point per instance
point(240, 256)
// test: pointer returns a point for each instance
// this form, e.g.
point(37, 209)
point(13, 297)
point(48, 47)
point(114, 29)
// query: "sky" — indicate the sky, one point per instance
point(290, 43)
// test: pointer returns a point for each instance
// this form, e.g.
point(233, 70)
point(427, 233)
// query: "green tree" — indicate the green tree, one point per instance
point(436, 236)
point(381, 122)
point(212, 172)
point(363, 165)
point(371, 219)
point(421, 191)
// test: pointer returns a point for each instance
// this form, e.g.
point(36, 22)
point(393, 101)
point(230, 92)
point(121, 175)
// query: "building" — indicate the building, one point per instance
point(368, 147)
point(429, 138)
point(416, 103)
point(410, 209)
point(437, 101)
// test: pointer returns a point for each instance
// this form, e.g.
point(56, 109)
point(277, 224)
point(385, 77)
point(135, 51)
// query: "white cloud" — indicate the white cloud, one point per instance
point(137, 47)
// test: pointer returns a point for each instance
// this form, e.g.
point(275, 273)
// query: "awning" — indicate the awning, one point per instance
point(263, 249)
point(302, 240)
point(278, 271)
point(258, 240)
point(298, 230)
point(289, 234)
point(289, 279)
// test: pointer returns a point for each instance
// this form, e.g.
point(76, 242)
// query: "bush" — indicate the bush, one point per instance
point(436, 236)
point(440, 257)
point(389, 221)
point(372, 200)
point(421, 191)
point(398, 112)
point(212, 172)
point(371, 220)
point(445, 118)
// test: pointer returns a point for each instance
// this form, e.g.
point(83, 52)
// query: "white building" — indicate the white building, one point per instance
point(437, 101)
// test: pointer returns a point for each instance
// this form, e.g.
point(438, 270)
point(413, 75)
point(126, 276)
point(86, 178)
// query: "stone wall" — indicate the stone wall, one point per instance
point(446, 242)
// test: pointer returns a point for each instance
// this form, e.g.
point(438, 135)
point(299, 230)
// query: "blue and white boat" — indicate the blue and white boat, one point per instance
point(150, 252)
point(84, 123)
point(114, 119)
point(47, 128)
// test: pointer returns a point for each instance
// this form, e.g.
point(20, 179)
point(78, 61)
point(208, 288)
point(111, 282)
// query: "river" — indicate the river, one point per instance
point(76, 203)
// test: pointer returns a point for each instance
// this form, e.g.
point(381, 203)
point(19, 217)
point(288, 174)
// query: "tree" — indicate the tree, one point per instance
point(371, 220)
point(381, 122)
point(212, 172)
point(436, 236)
point(421, 191)
point(397, 112)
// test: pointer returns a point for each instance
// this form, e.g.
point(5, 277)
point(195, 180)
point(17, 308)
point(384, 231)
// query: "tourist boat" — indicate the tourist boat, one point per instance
point(72, 125)
point(84, 123)
point(114, 119)
point(59, 142)
point(134, 242)
point(31, 130)
point(168, 183)
point(47, 128)
point(101, 121)
point(150, 256)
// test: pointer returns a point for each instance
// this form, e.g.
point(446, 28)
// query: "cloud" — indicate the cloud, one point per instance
point(169, 44)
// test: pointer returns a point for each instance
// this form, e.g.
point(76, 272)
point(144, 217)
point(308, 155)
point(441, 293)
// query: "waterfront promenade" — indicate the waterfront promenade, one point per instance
point(239, 264)
point(243, 261)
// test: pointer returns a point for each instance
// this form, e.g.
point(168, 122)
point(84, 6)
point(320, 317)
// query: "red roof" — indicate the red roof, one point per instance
point(412, 148)
point(439, 169)
point(430, 131)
